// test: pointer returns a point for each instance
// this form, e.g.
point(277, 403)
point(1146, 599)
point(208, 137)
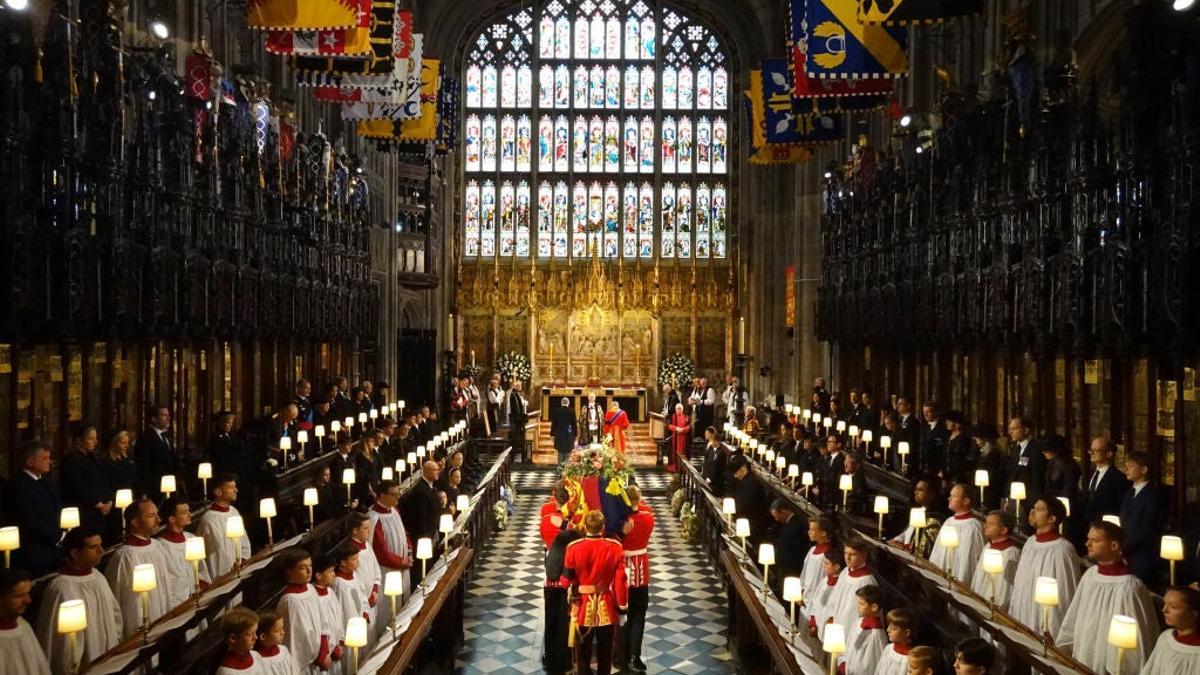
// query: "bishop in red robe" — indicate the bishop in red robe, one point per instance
point(615, 423)
point(679, 425)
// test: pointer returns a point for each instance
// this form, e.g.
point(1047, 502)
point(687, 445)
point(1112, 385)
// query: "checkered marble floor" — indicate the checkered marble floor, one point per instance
point(685, 625)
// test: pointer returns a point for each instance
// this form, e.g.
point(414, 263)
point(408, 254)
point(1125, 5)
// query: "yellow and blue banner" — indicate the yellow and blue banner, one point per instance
point(838, 45)
point(901, 12)
point(302, 14)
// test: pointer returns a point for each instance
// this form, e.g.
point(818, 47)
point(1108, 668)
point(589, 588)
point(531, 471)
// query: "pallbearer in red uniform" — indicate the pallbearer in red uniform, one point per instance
point(592, 564)
point(556, 533)
point(633, 583)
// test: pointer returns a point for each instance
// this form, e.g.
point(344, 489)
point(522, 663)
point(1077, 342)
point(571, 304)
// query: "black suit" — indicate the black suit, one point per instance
point(1141, 518)
point(339, 464)
point(562, 429)
point(714, 468)
point(909, 431)
point(35, 505)
point(669, 404)
point(84, 485)
point(831, 474)
point(934, 440)
point(517, 419)
point(752, 503)
point(791, 545)
point(156, 457)
point(1107, 496)
point(1028, 467)
point(422, 511)
point(226, 455)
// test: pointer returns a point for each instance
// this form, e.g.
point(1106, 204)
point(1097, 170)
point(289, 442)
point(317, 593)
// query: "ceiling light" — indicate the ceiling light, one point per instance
point(1180, 5)
point(19, 5)
point(905, 120)
point(159, 28)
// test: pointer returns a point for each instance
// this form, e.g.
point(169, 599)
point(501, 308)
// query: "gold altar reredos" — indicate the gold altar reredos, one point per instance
point(607, 321)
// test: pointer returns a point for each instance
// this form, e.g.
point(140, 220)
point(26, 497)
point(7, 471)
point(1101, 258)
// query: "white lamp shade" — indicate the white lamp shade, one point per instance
point(902, 448)
point(393, 583)
point(1016, 490)
point(788, 408)
point(828, 422)
point(1171, 547)
point(770, 457)
point(793, 589)
point(374, 414)
point(266, 508)
point(285, 442)
point(948, 537)
point(72, 617)
point(193, 549)
point(1123, 632)
point(424, 548)
point(462, 503)
point(841, 426)
point(807, 413)
point(347, 476)
point(916, 517)
point(868, 435)
point(728, 506)
point(845, 482)
point(881, 504)
point(421, 451)
point(402, 404)
point(235, 527)
point(10, 538)
point(356, 632)
point(68, 518)
point(319, 431)
point(124, 498)
point(348, 422)
point(412, 458)
point(834, 641)
point(885, 441)
point(166, 483)
point(766, 554)
point(853, 431)
point(387, 473)
point(993, 561)
point(446, 523)
point(302, 436)
point(816, 418)
point(982, 478)
point(1066, 505)
point(754, 444)
point(793, 471)
point(1115, 520)
point(362, 418)
point(445, 436)
point(780, 462)
point(401, 465)
point(742, 527)
point(204, 470)
point(335, 426)
point(145, 579)
point(311, 497)
point(1045, 592)
point(806, 478)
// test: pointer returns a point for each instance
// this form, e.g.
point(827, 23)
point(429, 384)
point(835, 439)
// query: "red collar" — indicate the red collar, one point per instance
point(859, 573)
point(820, 549)
point(268, 651)
point(1192, 640)
point(348, 576)
point(1001, 545)
point(362, 545)
point(321, 591)
point(72, 572)
point(1116, 569)
point(964, 516)
point(237, 661)
point(902, 650)
point(295, 588)
point(870, 623)
point(173, 537)
point(8, 624)
point(219, 508)
point(134, 540)
point(380, 509)
point(831, 580)
point(1044, 537)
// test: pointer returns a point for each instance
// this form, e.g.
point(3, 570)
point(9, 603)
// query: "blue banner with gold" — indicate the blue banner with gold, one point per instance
point(786, 120)
point(901, 12)
point(838, 45)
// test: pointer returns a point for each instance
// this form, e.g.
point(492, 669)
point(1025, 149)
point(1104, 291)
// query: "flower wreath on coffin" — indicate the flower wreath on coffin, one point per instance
point(596, 477)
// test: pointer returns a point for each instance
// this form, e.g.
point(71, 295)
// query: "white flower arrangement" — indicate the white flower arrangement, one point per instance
point(513, 367)
point(675, 370)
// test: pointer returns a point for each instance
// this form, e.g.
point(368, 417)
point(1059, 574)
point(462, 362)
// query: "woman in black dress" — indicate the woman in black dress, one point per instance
point(121, 473)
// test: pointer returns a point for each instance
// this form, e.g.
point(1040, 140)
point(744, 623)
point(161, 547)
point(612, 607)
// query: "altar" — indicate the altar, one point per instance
point(631, 399)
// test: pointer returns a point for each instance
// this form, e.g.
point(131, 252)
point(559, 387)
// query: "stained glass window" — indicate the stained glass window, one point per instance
point(596, 127)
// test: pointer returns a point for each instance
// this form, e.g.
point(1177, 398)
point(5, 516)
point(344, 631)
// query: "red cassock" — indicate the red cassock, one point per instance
point(616, 423)
point(636, 571)
point(679, 426)
point(595, 561)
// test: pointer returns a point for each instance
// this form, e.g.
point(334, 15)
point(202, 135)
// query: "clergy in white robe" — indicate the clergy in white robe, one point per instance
point(19, 646)
point(1047, 554)
point(1107, 589)
point(842, 605)
point(180, 572)
point(141, 519)
point(389, 541)
point(1178, 648)
point(996, 528)
point(217, 546)
point(275, 658)
point(866, 638)
point(305, 634)
point(79, 580)
point(369, 575)
point(960, 561)
point(812, 574)
point(832, 564)
point(893, 660)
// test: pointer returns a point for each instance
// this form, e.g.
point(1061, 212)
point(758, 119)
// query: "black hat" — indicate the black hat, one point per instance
point(382, 385)
point(737, 462)
point(955, 416)
point(984, 431)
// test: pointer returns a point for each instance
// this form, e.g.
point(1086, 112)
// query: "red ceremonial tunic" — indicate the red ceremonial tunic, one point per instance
point(595, 562)
point(636, 572)
point(616, 423)
point(548, 527)
point(680, 426)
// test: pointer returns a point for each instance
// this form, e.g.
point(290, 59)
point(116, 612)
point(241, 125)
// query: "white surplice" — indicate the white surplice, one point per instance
point(253, 667)
point(892, 662)
point(104, 625)
point(1100, 595)
point(864, 647)
point(216, 545)
point(22, 653)
point(304, 626)
point(842, 605)
point(280, 663)
point(180, 572)
point(1052, 556)
point(388, 524)
point(981, 581)
point(119, 573)
point(812, 574)
point(970, 543)
point(1172, 657)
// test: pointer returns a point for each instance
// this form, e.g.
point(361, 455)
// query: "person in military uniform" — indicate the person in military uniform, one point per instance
point(633, 583)
point(556, 533)
point(592, 564)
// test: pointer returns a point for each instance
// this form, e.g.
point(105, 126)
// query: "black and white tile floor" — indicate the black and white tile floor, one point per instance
point(685, 631)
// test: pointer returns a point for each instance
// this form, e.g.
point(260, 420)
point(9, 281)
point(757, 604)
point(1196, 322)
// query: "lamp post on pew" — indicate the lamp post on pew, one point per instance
point(881, 509)
point(742, 530)
point(1045, 594)
point(766, 558)
point(1171, 550)
point(885, 444)
point(834, 643)
point(993, 564)
point(793, 592)
point(348, 480)
point(204, 472)
point(729, 508)
point(806, 479)
point(310, 500)
point(319, 432)
point(917, 522)
point(1016, 492)
point(10, 540)
point(982, 480)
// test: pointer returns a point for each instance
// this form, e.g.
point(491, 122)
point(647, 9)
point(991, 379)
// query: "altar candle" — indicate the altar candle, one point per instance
point(742, 335)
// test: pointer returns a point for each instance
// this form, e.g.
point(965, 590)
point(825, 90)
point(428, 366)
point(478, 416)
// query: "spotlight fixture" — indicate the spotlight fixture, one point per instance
point(905, 120)
point(1179, 5)
point(159, 29)
point(17, 5)
point(828, 175)
point(152, 95)
point(920, 150)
